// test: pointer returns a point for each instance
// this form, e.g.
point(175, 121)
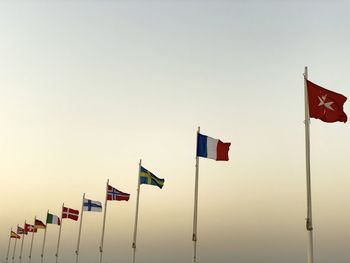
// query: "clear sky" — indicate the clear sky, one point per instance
point(87, 88)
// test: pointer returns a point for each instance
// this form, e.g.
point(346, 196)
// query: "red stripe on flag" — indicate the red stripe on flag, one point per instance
point(222, 151)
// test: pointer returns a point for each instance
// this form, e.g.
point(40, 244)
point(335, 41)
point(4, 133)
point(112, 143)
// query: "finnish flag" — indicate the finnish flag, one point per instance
point(90, 205)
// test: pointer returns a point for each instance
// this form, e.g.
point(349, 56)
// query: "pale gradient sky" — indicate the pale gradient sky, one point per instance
point(87, 88)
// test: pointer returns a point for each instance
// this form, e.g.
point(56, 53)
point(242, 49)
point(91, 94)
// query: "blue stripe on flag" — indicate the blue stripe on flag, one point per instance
point(202, 145)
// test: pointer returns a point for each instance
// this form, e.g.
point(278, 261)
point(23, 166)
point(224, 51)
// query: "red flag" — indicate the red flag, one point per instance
point(70, 213)
point(115, 194)
point(324, 104)
point(30, 228)
point(21, 231)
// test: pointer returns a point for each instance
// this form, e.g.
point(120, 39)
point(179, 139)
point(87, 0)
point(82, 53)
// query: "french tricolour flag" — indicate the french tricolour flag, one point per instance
point(212, 148)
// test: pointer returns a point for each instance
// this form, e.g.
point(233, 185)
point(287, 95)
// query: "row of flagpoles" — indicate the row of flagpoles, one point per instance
point(88, 205)
point(320, 103)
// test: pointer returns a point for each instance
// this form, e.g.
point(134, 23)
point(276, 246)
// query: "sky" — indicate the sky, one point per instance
point(88, 88)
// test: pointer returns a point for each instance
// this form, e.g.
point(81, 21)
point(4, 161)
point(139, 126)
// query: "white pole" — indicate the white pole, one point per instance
point(59, 234)
point(20, 253)
point(309, 228)
point(136, 214)
point(103, 224)
point(79, 234)
point(43, 248)
point(31, 244)
point(14, 249)
point(195, 213)
point(8, 247)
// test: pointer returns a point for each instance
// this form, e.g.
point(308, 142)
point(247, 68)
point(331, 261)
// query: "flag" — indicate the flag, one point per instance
point(211, 148)
point(114, 194)
point(39, 224)
point(14, 235)
point(146, 177)
point(70, 213)
point(94, 206)
point(52, 219)
point(21, 231)
point(324, 104)
point(30, 228)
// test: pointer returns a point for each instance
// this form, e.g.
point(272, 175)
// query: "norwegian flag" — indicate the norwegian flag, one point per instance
point(70, 213)
point(30, 228)
point(116, 195)
point(21, 231)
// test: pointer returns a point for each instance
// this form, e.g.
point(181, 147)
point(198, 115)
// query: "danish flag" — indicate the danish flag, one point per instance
point(70, 213)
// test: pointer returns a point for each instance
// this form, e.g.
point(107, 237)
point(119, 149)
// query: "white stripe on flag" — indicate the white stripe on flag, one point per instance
point(212, 147)
point(55, 219)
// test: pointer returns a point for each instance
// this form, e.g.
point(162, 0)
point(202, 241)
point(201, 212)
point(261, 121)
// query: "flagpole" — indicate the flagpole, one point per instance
point(103, 224)
point(31, 244)
point(43, 248)
point(14, 249)
point(20, 253)
point(59, 234)
point(8, 248)
point(79, 234)
point(309, 228)
point(195, 213)
point(136, 214)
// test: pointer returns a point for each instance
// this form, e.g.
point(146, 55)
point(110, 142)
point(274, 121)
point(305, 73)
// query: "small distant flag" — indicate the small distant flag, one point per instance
point(146, 177)
point(21, 231)
point(211, 148)
point(70, 213)
point(115, 194)
point(324, 104)
point(30, 228)
point(52, 219)
point(39, 224)
point(93, 206)
point(14, 235)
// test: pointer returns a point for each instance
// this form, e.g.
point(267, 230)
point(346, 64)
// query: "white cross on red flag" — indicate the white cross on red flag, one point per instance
point(30, 228)
point(70, 213)
point(324, 104)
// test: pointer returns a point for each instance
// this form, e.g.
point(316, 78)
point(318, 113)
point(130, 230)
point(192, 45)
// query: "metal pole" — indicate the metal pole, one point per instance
point(309, 228)
point(79, 234)
point(136, 214)
point(20, 253)
point(14, 249)
point(8, 247)
point(103, 224)
point(195, 213)
point(43, 248)
point(31, 244)
point(59, 235)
